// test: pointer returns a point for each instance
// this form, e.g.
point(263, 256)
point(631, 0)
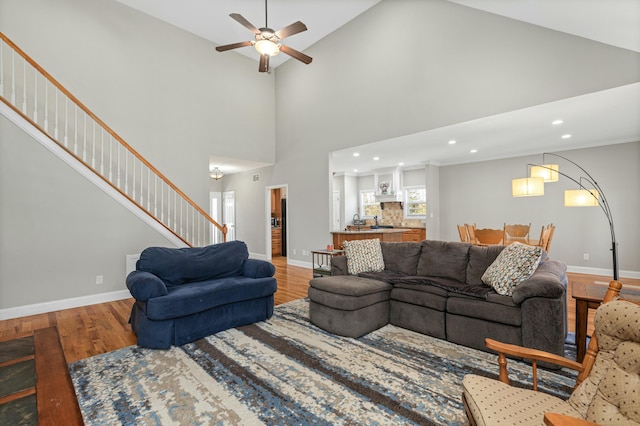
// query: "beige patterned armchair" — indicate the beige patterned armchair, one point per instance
point(608, 386)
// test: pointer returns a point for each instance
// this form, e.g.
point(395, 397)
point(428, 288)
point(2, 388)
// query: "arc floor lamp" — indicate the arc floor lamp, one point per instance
point(584, 197)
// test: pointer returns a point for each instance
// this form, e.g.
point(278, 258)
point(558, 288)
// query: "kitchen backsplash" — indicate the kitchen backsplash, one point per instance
point(393, 214)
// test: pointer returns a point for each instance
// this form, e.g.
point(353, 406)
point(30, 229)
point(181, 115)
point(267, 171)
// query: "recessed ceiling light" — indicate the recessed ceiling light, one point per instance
point(567, 136)
point(400, 164)
point(452, 142)
point(473, 151)
point(557, 122)
point(355, 170)
point(356, 154)
point(376, 158)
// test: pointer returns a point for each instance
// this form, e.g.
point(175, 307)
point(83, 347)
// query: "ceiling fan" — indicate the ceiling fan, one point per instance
point(267, 41)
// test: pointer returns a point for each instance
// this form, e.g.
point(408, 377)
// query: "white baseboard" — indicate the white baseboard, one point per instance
point(601, 271)
point(300, 263)
point(57, 305)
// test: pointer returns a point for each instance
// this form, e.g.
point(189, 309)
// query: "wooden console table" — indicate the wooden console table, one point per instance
point(589, 296)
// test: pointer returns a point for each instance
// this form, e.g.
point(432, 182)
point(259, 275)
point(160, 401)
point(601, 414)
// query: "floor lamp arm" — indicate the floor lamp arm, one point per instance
point(604, 205)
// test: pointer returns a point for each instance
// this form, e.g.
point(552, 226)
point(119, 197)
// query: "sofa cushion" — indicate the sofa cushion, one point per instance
point(177, 266)
point(514, 264)
point(444, 259)
point(363, 256)
point(191, 298)
point(480, 258)
point(401, 257)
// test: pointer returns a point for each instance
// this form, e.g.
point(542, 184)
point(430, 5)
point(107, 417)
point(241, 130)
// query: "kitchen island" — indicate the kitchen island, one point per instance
point(392, 235)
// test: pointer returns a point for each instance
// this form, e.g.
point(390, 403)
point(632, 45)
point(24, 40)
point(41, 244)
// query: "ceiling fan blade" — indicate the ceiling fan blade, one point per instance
point(264, 63)
point(233, 46)
point(295, 54)
point(244, 22)
point(289, 30)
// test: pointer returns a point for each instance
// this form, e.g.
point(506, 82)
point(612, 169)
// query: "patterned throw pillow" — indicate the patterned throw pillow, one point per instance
point(363, 256)
point(514, 264)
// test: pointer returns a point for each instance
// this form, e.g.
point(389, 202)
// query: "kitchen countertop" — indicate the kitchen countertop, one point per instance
point(373, 231)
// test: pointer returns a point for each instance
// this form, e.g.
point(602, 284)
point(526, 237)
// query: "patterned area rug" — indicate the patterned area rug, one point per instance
point(287, 371)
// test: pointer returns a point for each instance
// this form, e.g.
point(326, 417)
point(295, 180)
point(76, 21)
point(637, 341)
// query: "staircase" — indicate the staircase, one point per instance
point(42, 107)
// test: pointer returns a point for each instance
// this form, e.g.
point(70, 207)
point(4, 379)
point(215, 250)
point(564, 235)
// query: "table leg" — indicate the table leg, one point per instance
point(582, 309)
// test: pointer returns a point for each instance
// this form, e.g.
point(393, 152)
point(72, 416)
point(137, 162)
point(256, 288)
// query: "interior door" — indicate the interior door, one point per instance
point(229, 213)
point(336, 211)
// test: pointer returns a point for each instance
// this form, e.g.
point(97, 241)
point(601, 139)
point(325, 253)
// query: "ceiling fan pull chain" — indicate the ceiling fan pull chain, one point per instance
point(266, 22)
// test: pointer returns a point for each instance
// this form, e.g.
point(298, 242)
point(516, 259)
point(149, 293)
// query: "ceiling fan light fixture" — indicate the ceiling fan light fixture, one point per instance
point(267, 47)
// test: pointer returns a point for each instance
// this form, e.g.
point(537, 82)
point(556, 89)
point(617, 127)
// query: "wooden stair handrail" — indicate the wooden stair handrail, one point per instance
point(222, 228)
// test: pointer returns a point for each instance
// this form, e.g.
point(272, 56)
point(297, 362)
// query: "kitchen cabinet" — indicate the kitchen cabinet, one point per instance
point(276, 241)
point(391, 235)
point(415, 234)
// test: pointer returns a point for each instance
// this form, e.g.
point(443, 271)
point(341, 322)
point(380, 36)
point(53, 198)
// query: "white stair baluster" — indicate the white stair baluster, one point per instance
point(55, 127)
point(24, 86)
point(13, 77)
point(35, 97)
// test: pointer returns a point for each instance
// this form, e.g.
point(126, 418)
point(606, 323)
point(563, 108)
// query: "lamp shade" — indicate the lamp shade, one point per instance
point(580, 198)
point(267, 47)
point(527, 187)
point(549, 172)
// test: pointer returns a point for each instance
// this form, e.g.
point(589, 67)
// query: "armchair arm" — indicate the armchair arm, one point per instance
point(528, 353)
point(256, 268)
point(555, 419)
point(144, 286)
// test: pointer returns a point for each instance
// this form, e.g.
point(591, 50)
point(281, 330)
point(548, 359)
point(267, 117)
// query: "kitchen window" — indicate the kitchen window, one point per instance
point(415, 202)
point(369, 207)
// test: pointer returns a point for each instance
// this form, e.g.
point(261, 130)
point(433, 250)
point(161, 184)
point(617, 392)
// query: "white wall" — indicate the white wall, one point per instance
point(168, 93)
point(469, 64)
point(178, 101)
point(481, 193)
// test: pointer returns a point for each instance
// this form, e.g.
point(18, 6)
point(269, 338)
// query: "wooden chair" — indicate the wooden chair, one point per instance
point(552, 229)
point(489, 236)
point(608, 372)
point(464, 234)
point(545, 237)
point(471, 231)
point(514, 233)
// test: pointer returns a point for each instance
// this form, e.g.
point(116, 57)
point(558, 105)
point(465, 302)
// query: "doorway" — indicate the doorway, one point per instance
point(277, 221)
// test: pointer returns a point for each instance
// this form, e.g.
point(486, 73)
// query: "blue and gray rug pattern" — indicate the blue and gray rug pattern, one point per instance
point(286, 371)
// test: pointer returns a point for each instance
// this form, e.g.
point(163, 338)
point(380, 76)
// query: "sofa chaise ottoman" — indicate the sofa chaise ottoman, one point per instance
point(437, 288)
point(185, 294)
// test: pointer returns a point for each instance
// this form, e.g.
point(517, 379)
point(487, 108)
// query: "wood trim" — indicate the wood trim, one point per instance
point(57, 402)
point(87, 111)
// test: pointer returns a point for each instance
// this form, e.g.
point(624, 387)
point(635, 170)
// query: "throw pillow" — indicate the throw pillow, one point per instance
point(363, 256)
point(514, 264)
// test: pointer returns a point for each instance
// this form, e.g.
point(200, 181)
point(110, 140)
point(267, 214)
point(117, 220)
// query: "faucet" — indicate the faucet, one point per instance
point(357, 224)
point(376, 219)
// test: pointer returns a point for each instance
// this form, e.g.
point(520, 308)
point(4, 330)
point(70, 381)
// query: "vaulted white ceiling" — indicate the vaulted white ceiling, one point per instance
point(600, 118)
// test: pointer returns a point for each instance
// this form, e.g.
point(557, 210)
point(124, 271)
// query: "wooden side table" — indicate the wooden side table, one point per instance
point(322, 261)
point(589, 296)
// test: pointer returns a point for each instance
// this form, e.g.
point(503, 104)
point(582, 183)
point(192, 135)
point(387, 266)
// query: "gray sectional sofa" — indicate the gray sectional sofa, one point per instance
point(435, 288)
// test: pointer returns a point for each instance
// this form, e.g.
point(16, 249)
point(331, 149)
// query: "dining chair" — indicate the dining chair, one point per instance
point(516, 233)
point(464, 234)
point(471, 231)
point(488, 236)
point(552, 229)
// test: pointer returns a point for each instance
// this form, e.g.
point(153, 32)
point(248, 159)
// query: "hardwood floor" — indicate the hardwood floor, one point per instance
point(92, 330)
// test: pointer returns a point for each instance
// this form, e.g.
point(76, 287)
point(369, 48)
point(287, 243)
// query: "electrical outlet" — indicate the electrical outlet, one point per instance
point(585, 256)
point(99, 279)
point(294, 251)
